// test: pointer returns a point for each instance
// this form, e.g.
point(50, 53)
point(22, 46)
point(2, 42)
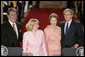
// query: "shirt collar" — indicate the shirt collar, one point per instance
point(69, 21)
point(11, 23)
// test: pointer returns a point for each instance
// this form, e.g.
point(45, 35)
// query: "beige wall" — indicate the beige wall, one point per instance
point(53, 4)
point(1, 12)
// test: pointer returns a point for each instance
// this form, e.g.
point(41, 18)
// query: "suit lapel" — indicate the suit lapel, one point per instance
point(18, 29)
point(70, 28)
point(11, 30)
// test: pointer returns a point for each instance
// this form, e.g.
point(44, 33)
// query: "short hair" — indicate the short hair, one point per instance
point(29, 26)
point(11, 9)
point(67, 9)
point(53, 15)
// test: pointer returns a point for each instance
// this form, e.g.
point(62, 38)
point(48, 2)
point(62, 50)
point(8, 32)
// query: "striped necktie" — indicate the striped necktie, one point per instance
point(14, 28)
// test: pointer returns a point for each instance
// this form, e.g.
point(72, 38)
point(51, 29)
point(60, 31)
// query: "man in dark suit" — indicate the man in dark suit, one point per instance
point(11, 30)
point(72, 34)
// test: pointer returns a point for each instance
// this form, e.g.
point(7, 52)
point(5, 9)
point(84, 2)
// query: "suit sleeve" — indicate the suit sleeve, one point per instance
point(80, 34)
point(3, 35)
point(20, 31)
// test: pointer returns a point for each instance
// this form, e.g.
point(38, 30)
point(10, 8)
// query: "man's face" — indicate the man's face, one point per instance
point(68, 16)
point(12, 16)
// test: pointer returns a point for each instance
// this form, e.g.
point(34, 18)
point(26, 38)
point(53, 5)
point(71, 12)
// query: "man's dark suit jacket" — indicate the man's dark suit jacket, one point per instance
point(75, 34)
point(9, 37)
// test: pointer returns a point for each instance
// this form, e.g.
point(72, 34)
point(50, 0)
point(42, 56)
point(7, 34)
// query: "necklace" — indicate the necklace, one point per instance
point(54, 27)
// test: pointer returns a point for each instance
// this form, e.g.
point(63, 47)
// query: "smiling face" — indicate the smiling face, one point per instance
point(12, 16)
point(53, 21)
point(68, 15)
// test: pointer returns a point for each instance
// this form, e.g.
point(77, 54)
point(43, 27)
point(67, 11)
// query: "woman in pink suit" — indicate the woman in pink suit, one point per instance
point(33, 40)
point(53, 36)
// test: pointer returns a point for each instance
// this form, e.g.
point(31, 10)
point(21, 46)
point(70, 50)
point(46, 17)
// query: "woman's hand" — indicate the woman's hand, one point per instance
point(24, 54)
point(27, 54)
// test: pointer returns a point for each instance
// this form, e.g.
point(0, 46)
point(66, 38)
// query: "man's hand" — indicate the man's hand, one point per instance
point(75, 46)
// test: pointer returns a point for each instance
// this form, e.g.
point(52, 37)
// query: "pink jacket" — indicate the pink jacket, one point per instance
point(34, 44)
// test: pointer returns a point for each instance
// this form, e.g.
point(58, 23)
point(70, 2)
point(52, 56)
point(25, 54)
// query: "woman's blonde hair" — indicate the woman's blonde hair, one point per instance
point(31, 23)
point(53, 15)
